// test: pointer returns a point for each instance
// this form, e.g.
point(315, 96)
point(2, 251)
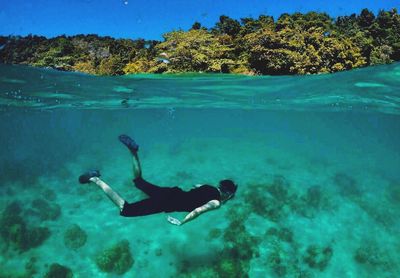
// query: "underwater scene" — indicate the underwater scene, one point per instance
point(316, 159)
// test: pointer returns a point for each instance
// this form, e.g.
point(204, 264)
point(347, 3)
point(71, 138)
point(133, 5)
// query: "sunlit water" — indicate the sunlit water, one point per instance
point(315, 156)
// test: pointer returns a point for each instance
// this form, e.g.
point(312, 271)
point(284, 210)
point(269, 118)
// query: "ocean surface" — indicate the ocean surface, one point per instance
point(316, 159)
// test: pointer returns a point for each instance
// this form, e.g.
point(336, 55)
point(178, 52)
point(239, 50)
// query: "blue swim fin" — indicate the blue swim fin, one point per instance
point(85, 178)
point(129, 143)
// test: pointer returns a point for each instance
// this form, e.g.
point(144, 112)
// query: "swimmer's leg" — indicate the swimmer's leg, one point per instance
point(137, 169)
point(150, 189)
point(114, 197)
point(143, 207)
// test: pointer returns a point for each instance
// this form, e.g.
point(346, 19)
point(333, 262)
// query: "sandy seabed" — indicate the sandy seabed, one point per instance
point(293, 215)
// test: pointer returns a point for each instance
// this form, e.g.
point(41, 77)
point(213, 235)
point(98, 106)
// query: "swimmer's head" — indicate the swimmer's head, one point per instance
point(228, 188)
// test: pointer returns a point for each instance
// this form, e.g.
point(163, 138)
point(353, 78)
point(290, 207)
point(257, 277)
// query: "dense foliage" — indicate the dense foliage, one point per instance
point(293, 44)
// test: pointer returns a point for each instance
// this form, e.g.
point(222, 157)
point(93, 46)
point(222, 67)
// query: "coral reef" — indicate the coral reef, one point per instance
point(214, 233)
point(199, 272)
point(15, 231)
point(44, 210)
point(239, 244)
point(263, 204)
point(237, 239)
point(314, 197)
point(285, 257)
point(74, 237)
point(283, 234)
point(29, 271)
point(277, 260)
point(347, 185)
point(311, 203)
point(276, 200)
point(229, 267)
point(373, 256)
point(58, 271)
point(279, 189)
point(393, 193)
point(318, 257)
point(383, 214)
point(30, 267)
point(233, 260)
point(273, 201)
point(282, 259)
point(283, 254)
point(158, 252)
point(49, 194)
point(116, 259)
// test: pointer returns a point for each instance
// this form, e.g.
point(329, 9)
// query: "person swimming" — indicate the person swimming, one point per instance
point(200, 199)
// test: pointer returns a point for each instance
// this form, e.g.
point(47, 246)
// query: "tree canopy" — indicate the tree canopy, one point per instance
point(293, 44)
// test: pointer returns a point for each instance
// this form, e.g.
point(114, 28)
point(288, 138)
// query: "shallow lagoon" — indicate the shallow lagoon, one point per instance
point(316, 159)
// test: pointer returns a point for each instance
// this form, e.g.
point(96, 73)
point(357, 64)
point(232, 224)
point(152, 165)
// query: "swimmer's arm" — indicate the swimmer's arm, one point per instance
point(213, 204)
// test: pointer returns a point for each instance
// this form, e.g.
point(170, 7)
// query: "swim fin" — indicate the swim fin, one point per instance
point(85, 178)
point(129, 143)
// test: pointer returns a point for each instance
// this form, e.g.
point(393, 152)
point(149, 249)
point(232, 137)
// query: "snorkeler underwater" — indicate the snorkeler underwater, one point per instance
point(201, 139)
point(163, 199)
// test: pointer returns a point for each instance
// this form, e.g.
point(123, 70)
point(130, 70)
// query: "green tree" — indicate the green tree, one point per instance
point(294, 44)
point(293, 51)
point(195, 50)
point(141, 65)
point(250, 25)
point(111, 65)
point(196, 26)
point(365, 19)
point(227, 25)
point(381, 55)
point(306, 21)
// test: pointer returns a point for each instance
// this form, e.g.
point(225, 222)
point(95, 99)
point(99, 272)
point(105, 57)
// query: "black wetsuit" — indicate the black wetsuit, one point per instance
point(168, 199)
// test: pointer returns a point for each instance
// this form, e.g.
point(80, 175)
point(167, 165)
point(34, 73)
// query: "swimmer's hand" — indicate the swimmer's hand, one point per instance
point(174, 221)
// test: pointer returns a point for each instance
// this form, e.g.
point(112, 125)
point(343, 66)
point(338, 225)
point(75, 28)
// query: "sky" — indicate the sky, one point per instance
point(149, 19)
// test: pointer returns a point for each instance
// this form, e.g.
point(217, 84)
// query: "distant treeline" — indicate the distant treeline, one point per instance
point(294, 44)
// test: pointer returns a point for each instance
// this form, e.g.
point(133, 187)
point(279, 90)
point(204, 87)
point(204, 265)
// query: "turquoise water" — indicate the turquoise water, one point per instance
point(316, 159)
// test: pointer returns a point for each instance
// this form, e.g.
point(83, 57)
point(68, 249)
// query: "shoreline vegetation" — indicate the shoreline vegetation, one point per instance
point(293, 44)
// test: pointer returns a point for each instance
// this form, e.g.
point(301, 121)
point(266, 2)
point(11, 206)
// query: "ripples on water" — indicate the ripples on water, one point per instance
point(374, 88)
